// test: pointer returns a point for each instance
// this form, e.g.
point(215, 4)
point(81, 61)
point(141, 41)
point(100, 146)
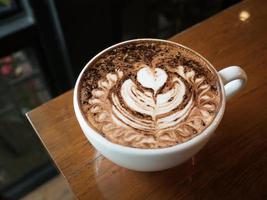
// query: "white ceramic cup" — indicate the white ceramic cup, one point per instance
point(232, 80)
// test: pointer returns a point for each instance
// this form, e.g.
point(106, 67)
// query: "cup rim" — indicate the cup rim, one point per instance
point(97, 136)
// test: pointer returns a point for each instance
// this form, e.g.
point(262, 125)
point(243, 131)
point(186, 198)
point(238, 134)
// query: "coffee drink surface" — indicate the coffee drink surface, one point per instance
point(149, 94)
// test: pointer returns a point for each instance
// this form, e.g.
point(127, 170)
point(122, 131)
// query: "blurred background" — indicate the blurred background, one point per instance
point(43, 46)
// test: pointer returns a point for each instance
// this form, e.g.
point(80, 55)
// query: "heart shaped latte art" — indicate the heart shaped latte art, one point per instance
point(152, 78)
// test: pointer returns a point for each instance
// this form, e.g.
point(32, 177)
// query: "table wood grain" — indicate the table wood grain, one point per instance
point(233, 165)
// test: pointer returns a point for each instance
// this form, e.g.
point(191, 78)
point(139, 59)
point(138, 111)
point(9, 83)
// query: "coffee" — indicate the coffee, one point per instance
point(149, 94)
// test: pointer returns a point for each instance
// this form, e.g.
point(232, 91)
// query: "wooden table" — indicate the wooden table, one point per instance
point(233, 165)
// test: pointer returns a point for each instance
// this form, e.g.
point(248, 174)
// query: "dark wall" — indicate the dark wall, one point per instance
point(91, 26)
point(88, 28)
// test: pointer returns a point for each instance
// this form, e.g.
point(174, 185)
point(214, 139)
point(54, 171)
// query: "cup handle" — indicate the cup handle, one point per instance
point(234, 79)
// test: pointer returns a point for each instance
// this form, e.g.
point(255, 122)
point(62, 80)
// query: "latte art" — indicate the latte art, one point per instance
point(161, 109)
point(150, 100)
